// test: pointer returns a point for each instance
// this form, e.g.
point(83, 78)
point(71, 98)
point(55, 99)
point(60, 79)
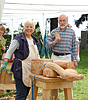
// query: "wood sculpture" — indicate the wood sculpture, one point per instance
point(68, 74)
point(62, 68)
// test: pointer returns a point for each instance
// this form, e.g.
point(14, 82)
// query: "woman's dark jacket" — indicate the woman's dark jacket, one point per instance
point(21, 54)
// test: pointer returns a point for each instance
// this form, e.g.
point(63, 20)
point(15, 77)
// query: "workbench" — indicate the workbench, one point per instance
point(6, 82)
point(47, 84)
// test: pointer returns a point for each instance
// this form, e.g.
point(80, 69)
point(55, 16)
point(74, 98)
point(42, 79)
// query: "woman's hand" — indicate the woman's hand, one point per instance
point(3, 48)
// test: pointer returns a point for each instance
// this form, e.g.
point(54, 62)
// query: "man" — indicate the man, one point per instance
point(64, 44)
point(62, 40)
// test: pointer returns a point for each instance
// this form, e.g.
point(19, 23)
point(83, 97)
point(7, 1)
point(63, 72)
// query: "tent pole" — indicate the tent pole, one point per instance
point(1, 8)
point(43, 26)
point(12, 29)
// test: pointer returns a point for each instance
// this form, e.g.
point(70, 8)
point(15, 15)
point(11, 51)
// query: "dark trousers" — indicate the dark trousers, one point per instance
point(0, 57)
point(21, 90)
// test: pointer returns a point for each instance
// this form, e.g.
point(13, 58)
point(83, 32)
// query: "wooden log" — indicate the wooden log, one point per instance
point(65, 64)
point(36, 64)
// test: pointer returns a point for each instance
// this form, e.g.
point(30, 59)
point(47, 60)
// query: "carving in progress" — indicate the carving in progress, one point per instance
point(69, 74)
point(59, 68)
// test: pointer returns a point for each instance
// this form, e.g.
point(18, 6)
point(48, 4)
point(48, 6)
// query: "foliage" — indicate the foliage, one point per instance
point(81, 19)
point(7, 29)
point(7, 94)
point(21, 29)
point(15, 31)
point(37, 32)
point(8, 40)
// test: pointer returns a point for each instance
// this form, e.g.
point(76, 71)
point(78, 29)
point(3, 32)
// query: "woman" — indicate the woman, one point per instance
point(25, 48)
point(2, 41)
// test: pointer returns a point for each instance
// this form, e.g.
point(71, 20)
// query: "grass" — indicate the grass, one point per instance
point(80, 90)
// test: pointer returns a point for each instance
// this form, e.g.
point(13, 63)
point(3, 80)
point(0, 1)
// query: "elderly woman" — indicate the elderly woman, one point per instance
point(25, 48)
point(2, 41)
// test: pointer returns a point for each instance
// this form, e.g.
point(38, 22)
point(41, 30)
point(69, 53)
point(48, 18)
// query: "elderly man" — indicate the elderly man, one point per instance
point(62, 40)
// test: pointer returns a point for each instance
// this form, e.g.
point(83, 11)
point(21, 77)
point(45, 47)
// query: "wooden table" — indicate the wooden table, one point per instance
point(6, 82)
point(47, 84)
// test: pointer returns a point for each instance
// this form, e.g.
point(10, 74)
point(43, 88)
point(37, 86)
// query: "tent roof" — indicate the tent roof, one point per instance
point(16, 10)
point(13, 9)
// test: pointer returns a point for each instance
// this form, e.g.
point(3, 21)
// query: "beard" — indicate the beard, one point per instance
point(62, 27)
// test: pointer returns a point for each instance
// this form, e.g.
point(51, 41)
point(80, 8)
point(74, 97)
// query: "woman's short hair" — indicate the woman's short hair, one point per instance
point(29, 22)
point(2, 28)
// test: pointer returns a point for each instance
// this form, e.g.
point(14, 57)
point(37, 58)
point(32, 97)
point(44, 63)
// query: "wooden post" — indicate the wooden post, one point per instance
point(2, 80)
point(34, 93)
point(46, 94)
point(54, 92)
point(68, 93)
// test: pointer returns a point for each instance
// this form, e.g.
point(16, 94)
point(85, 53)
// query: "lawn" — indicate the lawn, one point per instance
point(80, 90)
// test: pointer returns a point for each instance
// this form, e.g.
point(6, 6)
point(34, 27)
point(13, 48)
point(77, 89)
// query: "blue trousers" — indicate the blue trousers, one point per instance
point(21, 90)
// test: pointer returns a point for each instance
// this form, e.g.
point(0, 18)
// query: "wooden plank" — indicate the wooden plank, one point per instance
point(68, 94)
point(7, 87)
point(40, 84)
point(53, 85)
point(8, 79)
point(45, 79)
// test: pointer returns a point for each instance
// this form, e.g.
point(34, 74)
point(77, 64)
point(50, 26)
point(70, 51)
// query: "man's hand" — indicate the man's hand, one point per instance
point(75, 64)
point(57, 38)
point(3, 67)
point(78, 58)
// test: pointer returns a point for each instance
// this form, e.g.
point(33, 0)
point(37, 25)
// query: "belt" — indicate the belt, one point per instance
point(60, 54)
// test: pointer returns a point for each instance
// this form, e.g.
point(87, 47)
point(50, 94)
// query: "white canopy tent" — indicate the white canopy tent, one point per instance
point(12, 10)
